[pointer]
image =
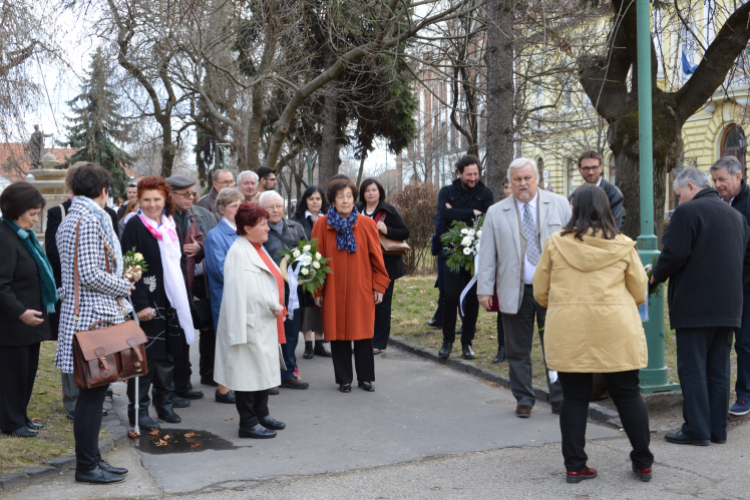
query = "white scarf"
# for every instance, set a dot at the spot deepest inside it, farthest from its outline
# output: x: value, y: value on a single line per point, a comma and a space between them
x: 174, y: 281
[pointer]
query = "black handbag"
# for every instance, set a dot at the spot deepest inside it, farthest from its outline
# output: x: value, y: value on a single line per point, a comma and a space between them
x: 201, y: 311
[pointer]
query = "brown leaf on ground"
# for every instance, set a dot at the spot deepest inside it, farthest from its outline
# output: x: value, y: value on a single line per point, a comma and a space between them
x: 133, y: 435
x: 167, y: 437
x: 191, y: 435
x: 228, y: 419
x: 153, y: 432
x: 195, y: 445
x: 36, y: 419
x: 161, y: 442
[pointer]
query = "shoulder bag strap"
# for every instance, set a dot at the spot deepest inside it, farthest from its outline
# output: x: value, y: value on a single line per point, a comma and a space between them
x: 379, y: 216
x: 62, y: 211
x: 76, y: 307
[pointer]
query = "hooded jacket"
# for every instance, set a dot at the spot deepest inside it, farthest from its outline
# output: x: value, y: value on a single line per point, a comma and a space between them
x: 591, y: 289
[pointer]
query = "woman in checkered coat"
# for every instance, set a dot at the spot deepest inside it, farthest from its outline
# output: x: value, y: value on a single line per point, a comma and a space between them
x: 101, y: 298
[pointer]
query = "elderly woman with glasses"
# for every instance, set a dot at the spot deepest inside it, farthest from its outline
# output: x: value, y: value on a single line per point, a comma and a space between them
x: 355, y: 286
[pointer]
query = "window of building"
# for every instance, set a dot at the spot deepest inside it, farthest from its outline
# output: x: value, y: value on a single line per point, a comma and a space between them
x: 574, y: 178
x: 612, y: 170
x: 734, y: 143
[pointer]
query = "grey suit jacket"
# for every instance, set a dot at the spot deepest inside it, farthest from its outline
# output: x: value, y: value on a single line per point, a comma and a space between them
x: 503, y: 245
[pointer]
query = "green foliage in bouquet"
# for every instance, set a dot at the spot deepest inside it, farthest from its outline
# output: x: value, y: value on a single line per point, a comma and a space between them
x: 310, y: 265
x: 462, y: 244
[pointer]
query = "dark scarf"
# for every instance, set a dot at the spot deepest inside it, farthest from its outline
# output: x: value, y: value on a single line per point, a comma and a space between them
x: 345, y: 238
x: 46, y: 278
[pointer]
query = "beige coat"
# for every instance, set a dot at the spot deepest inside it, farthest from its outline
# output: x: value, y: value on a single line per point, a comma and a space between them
x: 247, y: 341
x: 591, y: 289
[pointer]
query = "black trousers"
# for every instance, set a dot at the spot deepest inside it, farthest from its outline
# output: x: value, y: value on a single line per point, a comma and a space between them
x: 86, y: 427
x: 625, y: 392
x: 364, y: 361
x: 18, y: 365
x: 161, y: 376
x: 454, y: 285
x: 250, y: 406
x: 703, y: 368
x: 182, y: 371
x: 207, y: 340
x: 500, y: 331
x: 383, y: 319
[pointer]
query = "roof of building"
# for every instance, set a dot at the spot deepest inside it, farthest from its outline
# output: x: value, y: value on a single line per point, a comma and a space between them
x: 15, y: 160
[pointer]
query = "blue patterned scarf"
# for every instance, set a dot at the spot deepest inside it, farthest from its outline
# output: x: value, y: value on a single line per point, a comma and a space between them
x: 345, y: 238
x: 46, y: 278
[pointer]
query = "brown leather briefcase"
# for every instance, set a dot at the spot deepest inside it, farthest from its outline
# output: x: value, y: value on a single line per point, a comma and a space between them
x: 109, y: 354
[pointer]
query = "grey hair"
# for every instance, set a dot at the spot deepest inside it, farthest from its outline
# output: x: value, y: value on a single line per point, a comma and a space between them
x: 244, y: 173
x: 730, y: 163
x: 269, y: 194
x: 226, y: 197
x: 699, y: 178
x: 522, y: 162
x: 218, y: 172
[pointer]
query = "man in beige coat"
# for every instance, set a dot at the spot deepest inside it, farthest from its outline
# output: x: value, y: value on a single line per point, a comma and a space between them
x: 513, y: 235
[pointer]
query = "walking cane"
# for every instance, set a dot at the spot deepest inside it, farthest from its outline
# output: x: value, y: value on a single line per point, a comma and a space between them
x: 136, y: 429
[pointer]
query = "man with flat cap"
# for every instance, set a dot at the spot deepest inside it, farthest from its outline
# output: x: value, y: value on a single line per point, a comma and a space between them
x: 193, y: 223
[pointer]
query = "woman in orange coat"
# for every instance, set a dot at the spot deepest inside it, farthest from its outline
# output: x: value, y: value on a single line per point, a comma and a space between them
x: 357, y: 282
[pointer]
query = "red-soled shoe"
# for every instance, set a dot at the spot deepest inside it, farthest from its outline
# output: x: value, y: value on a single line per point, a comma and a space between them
x: 577, y: 477
x: 643, y: 474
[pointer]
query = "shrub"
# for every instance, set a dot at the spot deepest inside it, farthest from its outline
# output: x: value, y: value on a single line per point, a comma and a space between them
x: 417, y: 204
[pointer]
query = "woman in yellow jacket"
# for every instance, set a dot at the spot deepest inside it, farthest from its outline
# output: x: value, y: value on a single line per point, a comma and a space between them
x: 591, y: 280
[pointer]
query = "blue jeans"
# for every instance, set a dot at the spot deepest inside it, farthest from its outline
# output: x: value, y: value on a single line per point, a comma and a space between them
x: 291, y: 331
x: 742, y: 347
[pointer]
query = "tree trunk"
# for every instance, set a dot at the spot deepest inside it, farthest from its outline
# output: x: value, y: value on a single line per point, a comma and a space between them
x: 499, y: 94
x: 168, y: 149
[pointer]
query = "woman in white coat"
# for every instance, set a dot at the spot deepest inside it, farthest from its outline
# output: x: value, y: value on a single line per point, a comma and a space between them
x: 251, y: 324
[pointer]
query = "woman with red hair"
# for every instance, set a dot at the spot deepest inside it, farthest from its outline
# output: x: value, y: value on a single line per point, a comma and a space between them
x: 251, y: 324
x: 160, y: 299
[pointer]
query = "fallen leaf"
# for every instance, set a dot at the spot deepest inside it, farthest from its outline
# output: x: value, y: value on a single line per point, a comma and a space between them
x: 36, y: 419
x: 191, y: 435
x: 161, y: 442
x: 195, y: 445
x: 228, y: 419
x: 153, y: 432
x: 317, y: 416
x: 133, y: 435
x: 167, y: 437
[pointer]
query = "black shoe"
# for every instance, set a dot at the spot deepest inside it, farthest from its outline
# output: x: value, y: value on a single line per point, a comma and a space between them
x: 294, y: 383
x: 445, y: 351
x: 366, y: 387
x: 308, y: 354
x: 106, y: 467
x: 500, y: 356
x: 460, y: 330
x: 168, y: 416
x: 257, y: 432
x: 320, y: 350
x: 71, y: 415
x: 345, y: 388
x: 208, y: 380
x: 718, y: 441
x: 180, y: 402
x: 229, y: 398
x: 33, y: 426
x: 23, y: 432
x: 468, y: 352
x: 435, y: 323
x: 680, y: 438
x: 273, y: 391
x: 191, y: 395
x: 270, y: 423
x: 98, y: 476
x: 143, y: 420
x: 104, y: 412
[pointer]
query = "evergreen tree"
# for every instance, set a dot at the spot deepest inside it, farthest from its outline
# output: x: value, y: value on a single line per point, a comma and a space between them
x: 96, y: 124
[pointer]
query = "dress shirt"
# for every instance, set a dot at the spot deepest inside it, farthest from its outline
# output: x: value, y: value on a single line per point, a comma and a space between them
x: 528, y: 267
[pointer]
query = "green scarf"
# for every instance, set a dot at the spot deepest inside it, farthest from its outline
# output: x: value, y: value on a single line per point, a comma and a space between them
x: 47, y: 279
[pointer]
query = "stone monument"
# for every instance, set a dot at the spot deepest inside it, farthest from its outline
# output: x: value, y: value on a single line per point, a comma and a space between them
x: 36, y: 147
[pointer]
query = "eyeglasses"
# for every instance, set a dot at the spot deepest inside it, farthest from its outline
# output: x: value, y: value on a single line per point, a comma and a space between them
x: 270, y: 179
x: 590, y: 169
x: 274, y: 207
x: 191, y: 194
x: 225, y: 183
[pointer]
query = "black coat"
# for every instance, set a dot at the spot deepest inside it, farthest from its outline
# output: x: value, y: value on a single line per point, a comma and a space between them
x: 54, y: 219
x: 306, y: 222
x: 163, y: 338
x: 463, y: 202
x: 706, y: 261
x: 20, y: 289
x: 741, y: 203
x: 397, y: 230
x: 616, y: 202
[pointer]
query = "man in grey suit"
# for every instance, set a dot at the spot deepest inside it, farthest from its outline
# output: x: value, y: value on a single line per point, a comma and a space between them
x: 513, y: 235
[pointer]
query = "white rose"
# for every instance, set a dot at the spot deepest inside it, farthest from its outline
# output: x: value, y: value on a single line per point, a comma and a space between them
x: 466, y: 241
x: 479, y: 233
x: 464, y: 231
x: 477, y: 247
x: 472, y: 232
x: 138, y: 256
x: 305, y: 271
x: 316, y: 265
x: 318, y: 256
x: 467, y: 251
x: 306, y: 248
x: 296, y: 254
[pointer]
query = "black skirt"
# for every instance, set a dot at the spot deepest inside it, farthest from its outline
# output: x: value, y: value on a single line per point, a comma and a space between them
x: 310, y: 318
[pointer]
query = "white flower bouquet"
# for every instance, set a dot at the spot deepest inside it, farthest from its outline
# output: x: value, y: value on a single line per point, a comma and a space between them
x: 462, y: 244
x: 307, y: 264
x: 134, y: 265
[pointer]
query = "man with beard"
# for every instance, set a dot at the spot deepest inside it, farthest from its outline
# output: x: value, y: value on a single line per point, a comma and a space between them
x: 466, y: 199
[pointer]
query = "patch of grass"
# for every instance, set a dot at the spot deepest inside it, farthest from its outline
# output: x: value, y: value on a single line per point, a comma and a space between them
x: 56, y: 439
x: 414, y: 303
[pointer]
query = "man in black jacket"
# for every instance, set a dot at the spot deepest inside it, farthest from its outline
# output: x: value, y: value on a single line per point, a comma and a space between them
x: 465, y: 199
x: 706, y: 261
x: 727, y: 177
x: 590, y: 168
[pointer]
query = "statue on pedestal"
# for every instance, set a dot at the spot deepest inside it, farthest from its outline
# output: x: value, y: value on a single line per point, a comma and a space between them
x: 36, y: 147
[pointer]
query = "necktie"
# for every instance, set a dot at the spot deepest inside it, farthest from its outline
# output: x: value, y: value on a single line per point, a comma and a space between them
x: 533, y: 252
